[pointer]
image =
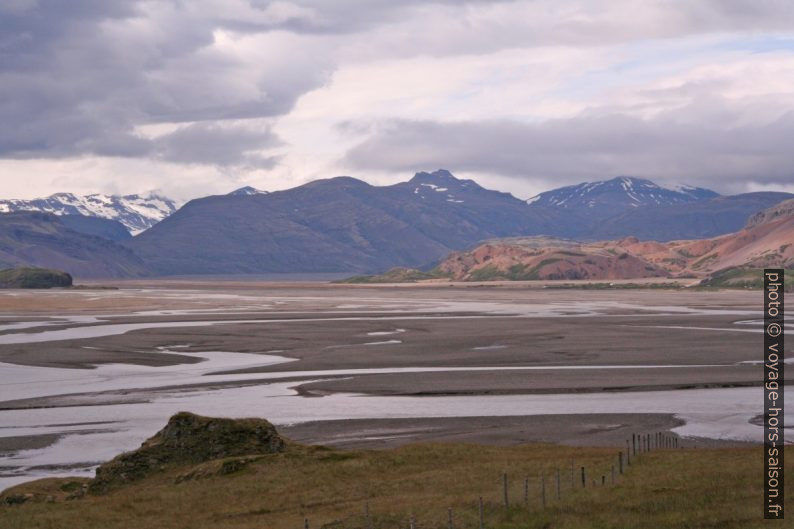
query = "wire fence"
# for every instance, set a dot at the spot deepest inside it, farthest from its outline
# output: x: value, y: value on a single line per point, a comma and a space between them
x: 518, y: 496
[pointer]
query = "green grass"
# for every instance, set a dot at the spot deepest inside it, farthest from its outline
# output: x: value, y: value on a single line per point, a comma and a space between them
x: 516, y: 272
x: 486, y: 273
x: 700, y: 263
x: 685, y: 488
x: 395, y: 275
x: 34, y: 278
x: 746, y: 278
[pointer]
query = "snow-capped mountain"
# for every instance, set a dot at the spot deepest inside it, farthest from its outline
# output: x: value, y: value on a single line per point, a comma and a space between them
x: 618, y: 194
x: 136, y: 212
x: 248, y: 190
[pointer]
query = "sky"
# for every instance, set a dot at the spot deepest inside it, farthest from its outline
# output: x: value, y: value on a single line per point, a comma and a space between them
x: 190, y: 98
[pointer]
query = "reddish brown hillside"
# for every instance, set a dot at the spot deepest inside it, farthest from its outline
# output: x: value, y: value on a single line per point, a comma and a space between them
x: 767, y: 241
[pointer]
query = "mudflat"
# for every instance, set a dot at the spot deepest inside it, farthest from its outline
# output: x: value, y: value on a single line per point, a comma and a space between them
x: 141, y: 349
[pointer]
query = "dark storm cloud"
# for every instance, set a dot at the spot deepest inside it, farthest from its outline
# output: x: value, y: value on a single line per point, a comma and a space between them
x: 81, y: 77
x: 212, y: 144
x: 714, y: 153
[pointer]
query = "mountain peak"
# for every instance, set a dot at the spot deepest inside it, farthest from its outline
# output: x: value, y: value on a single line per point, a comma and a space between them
x: 341, y: 182
x: 440, y: 175
x: 247, y: 191
x: 619, y: 193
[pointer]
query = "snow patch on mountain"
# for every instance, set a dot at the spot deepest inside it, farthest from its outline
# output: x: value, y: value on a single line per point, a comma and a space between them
x: 621, y: 192
x: 136, y: 212
x: 248, y: 190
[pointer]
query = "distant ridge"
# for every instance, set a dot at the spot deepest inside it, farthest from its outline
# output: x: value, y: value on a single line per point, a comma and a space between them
x: 609, y: 197
x: 43, y: 240
x: 136, y: 212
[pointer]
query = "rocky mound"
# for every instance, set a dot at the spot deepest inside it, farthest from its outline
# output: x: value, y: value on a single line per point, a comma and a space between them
x: 34, y: 278
x: 189, y: 439
x: 525, y: 259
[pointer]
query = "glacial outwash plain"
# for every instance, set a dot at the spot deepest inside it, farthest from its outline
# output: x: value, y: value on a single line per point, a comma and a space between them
x: 421, y: 395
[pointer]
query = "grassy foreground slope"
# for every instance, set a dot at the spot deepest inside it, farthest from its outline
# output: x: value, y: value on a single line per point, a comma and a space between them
x: 684, y: 488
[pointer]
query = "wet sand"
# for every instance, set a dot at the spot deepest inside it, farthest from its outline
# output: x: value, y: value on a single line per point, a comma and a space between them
x: 576, y: 430
x: 471, y: 340
x: 540, y: 382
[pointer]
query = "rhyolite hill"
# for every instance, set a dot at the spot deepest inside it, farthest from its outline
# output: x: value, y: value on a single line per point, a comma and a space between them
x: 767, y: 241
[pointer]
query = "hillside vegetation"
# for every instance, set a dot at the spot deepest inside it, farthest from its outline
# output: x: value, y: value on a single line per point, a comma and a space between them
x: 34, y: 278
x: 279, y: 489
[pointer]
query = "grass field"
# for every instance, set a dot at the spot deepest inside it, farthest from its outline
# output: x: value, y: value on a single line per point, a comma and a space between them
x: 685, y: 488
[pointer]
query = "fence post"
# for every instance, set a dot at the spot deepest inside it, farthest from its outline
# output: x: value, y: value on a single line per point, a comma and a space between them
x: 613, y: 474
x: 305, y: 523
x: 584, y: 482
x: 504, y: 486
x: 628, y: 453
x: 620, y: 461
x: 543, y: 490
x: 411, y: 522
x: 573, y: 484
x: 366, y: 515
x: 558, y: 484
x: 450, y: 525
x: 526, y: 491
x: 482, y: 521
x: 634, y: 443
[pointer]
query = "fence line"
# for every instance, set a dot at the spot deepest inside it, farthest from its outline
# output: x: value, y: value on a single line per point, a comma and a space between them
x: 639, y: 443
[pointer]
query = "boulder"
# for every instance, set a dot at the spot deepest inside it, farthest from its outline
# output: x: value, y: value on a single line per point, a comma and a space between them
x: 189, y: 439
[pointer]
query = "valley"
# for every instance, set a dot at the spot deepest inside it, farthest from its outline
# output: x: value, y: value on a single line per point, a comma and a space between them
x: 374, y: 367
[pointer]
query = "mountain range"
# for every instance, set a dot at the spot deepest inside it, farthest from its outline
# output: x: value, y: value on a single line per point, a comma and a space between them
x: 135, y: 212
x: 349, y: 226
x: 335, y: 225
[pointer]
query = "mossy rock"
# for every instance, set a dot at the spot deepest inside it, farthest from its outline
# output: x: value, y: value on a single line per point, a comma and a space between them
x: 189, y: 439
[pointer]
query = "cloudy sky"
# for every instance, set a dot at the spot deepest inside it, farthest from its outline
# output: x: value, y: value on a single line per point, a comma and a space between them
x: 193, y: 97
